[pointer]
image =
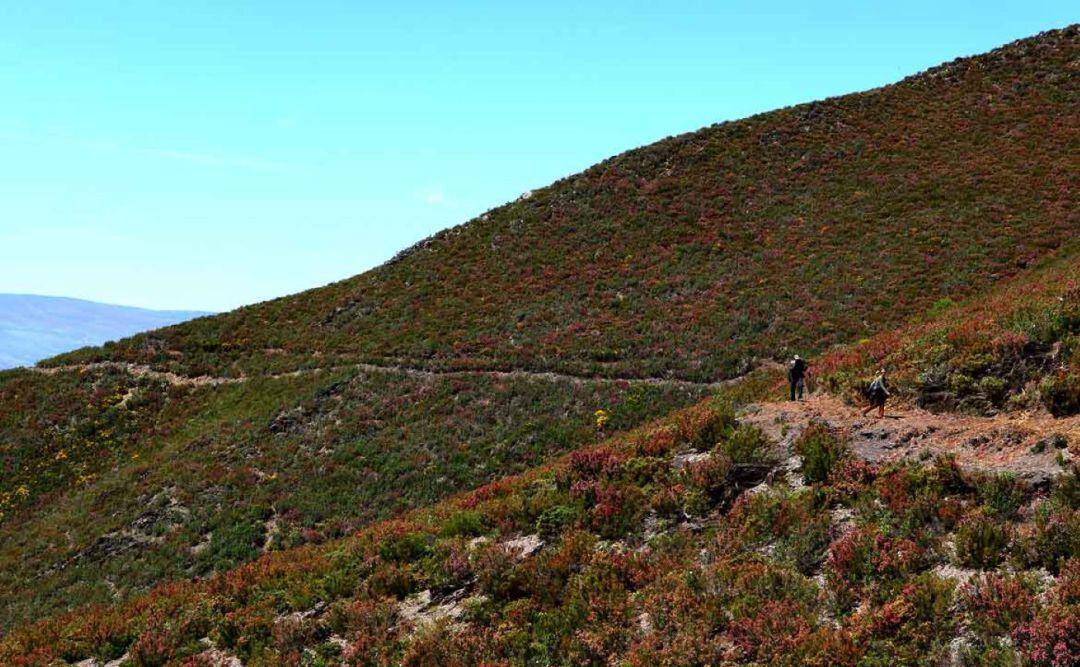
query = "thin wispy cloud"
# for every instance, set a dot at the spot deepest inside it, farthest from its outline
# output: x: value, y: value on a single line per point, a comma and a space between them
x: 226, y: 160
x: 434, y: 196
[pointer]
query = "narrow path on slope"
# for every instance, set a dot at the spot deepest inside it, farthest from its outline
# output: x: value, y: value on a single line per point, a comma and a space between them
x: 142, y: 370
x: 1007, y: 442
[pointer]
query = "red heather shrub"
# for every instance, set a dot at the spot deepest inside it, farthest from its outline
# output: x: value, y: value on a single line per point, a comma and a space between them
x: 1052, y: 638
x: 913, y: 625
x: 690, y: 643
x: 494, y: 567
x: 596, y: 462
x: 1055, y: 538
x: 152, y: 649
x: 431, y: 647
x: 369, y: 622
x: 1009, y: 342
x: 771, y: 632
x: 851, y: 476
x: 702, y: 428
x: 244, y: 628
x: 390, y: 579
x: 825, y: 647
x: 1067, y: 590
x: 585, y: 491
x: 656, y: 443
x: 666, y: 499
x: 617, y: 511
x: 488, y: 491
x: 996, y: 604
x: 293, y: 633
x: 863, y: 558
x: 893, y: 490
x: 709, y: 474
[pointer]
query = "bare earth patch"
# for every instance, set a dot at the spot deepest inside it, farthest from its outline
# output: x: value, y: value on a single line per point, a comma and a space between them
x: 1003, y: 443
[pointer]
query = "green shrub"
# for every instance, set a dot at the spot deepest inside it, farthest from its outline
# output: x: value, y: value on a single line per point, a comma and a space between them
x: 554, y: 519
x: 468, y: 523
x: 1000, y: 494
x: 1066, y: 491
x: 237, y: 538
x: 981, y: 542
x: 994, y: 653
x: 994, y: 388
x: 406, y: 548
x: 820, y: 450
x: 795, y: 522
x: 1060, y: 394
x: 915, y: 626
x: 703, y: 429
x: 1056, y: 537
x: 696, y: 502
x: 746, y: 444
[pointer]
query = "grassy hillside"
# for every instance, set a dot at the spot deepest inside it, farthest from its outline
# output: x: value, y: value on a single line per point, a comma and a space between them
x: 1013, y: 348
x: 788, y: 231
x: 113, y: 483
x: 691, y: 258
x: 647, y: 549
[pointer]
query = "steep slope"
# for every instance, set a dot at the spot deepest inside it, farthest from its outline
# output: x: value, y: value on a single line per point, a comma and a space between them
x: 33, y: 327
x: 1016, y: 347
x: 695, y: 540
x: 736, y: 531
x: 304, y: 418
x: 115, y: 481
x: 791, y: 230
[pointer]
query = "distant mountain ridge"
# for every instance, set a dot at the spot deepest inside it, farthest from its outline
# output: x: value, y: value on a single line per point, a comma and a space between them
x: 34, y: 327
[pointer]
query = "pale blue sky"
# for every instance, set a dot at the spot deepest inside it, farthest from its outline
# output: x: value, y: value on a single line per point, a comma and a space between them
x: 209, y: 154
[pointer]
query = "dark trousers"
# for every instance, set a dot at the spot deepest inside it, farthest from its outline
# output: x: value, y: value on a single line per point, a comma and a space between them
x: 797, y: 385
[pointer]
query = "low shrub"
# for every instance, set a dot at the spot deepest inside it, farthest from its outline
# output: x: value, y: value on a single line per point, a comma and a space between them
x: 746, y: 444
x: 618, y: 510
x: 1060, y: 393
x: 865, y: 561
x: 796, y: 526
x: 1000, y: 494
x: 554, y: 519
x: 468, y: 523
x: 1052, y: 539
x: 821, y: 450
x: 913, y: 627
x: 406, y: 548
x: 702, y: 429
x: 709, y: 475
x: 981, y: 541
x: 1052, y: 638
x: 994, y: 605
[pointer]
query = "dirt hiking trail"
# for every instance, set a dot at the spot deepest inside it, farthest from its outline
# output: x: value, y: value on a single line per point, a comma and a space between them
x: 144, y: 371
x: 1025, y: 444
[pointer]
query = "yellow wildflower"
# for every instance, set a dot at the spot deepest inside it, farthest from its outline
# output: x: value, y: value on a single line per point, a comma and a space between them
x: 601, y: 418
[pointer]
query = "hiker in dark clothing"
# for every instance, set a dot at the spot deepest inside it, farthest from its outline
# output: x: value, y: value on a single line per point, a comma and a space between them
x: 876, y: 394
x: 796, y: 376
